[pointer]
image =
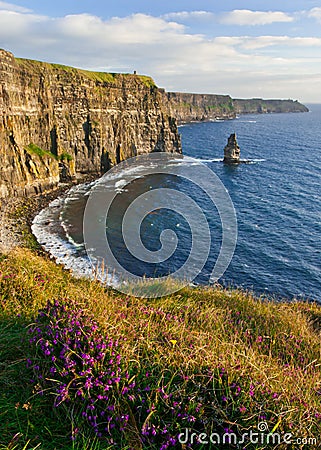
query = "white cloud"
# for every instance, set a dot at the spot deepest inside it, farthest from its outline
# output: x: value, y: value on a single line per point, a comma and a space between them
x: 248, y: 17
x: 315, y: 13
x: 131, y: 30
x: 260, y: 42
x: 187, y: 15
x: 177, y: 59
x: 11, y: 7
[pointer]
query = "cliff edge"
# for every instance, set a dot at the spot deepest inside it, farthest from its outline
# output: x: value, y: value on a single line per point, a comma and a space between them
x: 204, y: 107
x: 261, y: 106
x: 59, y: 122
x: 187, y: 107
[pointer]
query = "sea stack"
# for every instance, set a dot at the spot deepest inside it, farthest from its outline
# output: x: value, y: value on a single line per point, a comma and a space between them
x: 232, y: 151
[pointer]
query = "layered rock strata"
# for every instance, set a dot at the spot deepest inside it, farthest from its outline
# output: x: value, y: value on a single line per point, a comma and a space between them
x: 211, y: 107
x: 57, y: 121
x: 261, y: 106
x: 199, y: 107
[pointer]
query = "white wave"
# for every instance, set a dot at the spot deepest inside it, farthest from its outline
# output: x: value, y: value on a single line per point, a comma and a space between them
x: 194, y: 161
x: 64, y: 225
x: 116, y: 174
x: 256, y: 160
x: 119, y: 185
x: 48, y: 231
x: 210, y: 160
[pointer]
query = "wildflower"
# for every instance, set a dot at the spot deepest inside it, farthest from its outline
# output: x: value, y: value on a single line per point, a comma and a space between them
x: 26, y: 406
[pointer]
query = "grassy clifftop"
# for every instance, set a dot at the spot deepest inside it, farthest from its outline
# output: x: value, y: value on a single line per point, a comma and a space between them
x: 98, y: 370
x: 100, y: 77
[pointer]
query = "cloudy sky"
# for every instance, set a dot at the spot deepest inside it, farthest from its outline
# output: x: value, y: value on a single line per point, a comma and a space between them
x: 244, y: 48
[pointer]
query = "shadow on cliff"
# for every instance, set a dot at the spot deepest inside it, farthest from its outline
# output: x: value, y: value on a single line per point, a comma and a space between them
x: 160, y: 143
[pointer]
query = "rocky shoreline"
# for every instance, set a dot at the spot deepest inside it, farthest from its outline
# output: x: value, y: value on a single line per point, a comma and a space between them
x: 17, y: 214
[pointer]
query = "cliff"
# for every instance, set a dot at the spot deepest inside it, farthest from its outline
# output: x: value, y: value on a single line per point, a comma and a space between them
x: 201, y: 107
x: 59, y: 122
x: 261, y: 106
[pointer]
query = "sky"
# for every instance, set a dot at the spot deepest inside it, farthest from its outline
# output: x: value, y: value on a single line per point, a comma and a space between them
x: 243, y: 48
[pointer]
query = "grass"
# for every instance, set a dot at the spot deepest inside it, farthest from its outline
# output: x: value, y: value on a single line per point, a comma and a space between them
x: 148, y: 81
x: 99, y: 77
x: 64, y: 156
x: 35, y: 150
x: 206, y: 359
x: 37, y: 65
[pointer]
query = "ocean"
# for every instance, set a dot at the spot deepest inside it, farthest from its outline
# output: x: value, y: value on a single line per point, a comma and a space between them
x: 276, y: 199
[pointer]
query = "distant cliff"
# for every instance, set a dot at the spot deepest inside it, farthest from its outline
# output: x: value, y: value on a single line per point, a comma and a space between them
x: 201, y: 107
x: 198, y: 107
x: 261, y: 106
x: 57, y: 122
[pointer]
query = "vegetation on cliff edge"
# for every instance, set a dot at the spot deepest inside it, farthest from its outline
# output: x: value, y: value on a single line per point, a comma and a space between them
x: 95, y: 369
x: 100, y: 77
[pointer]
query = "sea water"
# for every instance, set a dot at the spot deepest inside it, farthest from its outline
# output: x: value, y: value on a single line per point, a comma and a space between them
x: 276, y: 198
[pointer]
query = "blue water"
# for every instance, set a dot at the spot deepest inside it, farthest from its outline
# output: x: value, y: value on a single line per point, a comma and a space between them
x: 276, y: 198
x: 277, y: 201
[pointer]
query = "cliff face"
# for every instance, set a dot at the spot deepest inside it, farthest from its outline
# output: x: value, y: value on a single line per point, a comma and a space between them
x: 58, y: 121
x: 260, y: 106
x: 200, y: 107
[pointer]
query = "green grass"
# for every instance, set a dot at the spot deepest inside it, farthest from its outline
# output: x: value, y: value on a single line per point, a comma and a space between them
x: 99, y: 77
x: 238, y: 357
x: 148, y: 81
x: 65, y: 157
x: 35, y: 150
